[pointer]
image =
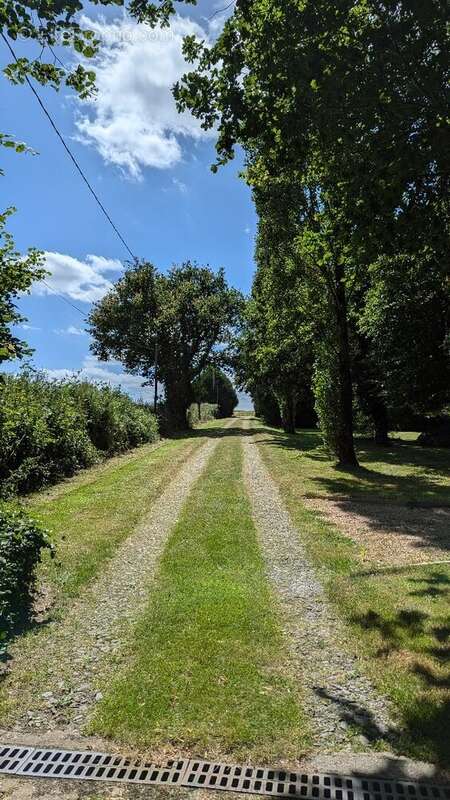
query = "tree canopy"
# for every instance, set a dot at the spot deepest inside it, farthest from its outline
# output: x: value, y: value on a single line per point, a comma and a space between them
x: 166, y: 326
x: 341, y: 110
x: 215, y: 387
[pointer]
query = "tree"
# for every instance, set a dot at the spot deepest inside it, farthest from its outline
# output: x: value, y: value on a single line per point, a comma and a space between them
x: 348, y: 99
x: 17, y: 273
x: 274, y: 350
x: 407, y: 318
x: 50, y: 24
x: 214, y: 386
x: 178, y: 318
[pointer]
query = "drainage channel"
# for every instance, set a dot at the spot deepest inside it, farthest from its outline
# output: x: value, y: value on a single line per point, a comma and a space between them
x: 89, y: 765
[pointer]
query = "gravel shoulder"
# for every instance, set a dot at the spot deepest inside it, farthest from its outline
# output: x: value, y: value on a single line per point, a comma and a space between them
x: 347, y: 713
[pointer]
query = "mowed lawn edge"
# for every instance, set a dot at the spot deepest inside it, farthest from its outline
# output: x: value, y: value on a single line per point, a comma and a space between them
x: 208, y: 672
x: 398, y: 620
x: 89, y: 520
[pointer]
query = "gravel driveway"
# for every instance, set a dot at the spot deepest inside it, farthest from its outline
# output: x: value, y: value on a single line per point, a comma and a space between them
x: 345, y: 709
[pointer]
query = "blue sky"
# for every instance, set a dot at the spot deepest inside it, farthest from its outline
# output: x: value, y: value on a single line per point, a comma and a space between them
x: 150, y: 167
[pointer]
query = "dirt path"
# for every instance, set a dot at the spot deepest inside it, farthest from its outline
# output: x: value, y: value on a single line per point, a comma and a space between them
x: 390, y: 534
x: 53, y: 685
x: 345, y: 710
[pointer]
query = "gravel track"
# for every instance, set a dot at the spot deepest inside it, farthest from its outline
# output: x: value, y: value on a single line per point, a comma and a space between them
x: 345, y: 710
x: 59, y: 673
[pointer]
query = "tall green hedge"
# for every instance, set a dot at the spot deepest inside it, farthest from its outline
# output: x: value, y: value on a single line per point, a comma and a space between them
x: 50, y: 429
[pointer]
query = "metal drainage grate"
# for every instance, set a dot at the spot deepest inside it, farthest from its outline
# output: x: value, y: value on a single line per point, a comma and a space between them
x: 282, y: 783
x: 79, y: 765
x: 12, y: 757
x: 88, y: 765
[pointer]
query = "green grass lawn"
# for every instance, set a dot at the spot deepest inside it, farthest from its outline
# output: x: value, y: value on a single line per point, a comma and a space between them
x: 208, y: 672
x: 91, y: 514
x: 400, y: 618
x: 403, y: 472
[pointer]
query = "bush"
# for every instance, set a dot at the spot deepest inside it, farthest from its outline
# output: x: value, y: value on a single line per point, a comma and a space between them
x: 207, y: 411
x: 50, y: 429
x: 21, y: 543
x: 114, y: 422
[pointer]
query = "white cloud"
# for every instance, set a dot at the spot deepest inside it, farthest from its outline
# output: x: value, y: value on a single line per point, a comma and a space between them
x: 245, y: 402
x: 27, y: 327
x: 133, y: 121
x: 219, y: 16
x: 180, y: 185
x: 109, y: 372
x: 70, y: 331
x: 81, y: 280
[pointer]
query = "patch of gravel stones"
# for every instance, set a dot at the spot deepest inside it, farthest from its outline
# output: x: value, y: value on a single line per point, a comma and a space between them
x: 60, y: 687
x: 344, y: 708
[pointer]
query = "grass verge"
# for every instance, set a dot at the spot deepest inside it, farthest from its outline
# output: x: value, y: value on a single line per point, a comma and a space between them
x: 207, y: 671
x: 404, y: 472
x: 400, y: 617
x: 89, y: 518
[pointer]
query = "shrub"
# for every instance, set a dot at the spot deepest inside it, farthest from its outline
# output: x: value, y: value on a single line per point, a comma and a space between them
x: 43, y: 434
x: 202, y: 412
x: 114, y: 422
x: 21, y: 544
x: 50, y: 429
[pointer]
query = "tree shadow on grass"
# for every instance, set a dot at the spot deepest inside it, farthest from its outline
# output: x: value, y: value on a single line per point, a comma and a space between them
x: 365, y: 482
x: 436, y: 585
x: 25, y: 620
x: 432, y: 459
x: 425, y: 714
x: 212, y: 433
x: 392, y: 630
x: 414, y: 491
x: 422, y: 731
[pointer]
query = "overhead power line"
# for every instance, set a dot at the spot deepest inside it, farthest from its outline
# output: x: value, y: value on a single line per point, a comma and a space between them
x: 61, y: 296
x: 221, y: 10
x: 69, y: 152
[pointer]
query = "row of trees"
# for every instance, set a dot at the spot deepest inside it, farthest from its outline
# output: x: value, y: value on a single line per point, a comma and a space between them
x: 340, y: 108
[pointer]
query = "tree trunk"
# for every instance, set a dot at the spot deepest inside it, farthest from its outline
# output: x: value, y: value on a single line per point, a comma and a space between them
x: 288, y: 404
x: 381, y: 423
x: 178, y: 400
x: 345, y: 448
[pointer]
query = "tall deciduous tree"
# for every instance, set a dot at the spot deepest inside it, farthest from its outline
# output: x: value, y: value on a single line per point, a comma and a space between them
x: 349, y: 97
x: 274, y: 348
x: 171, y: 322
